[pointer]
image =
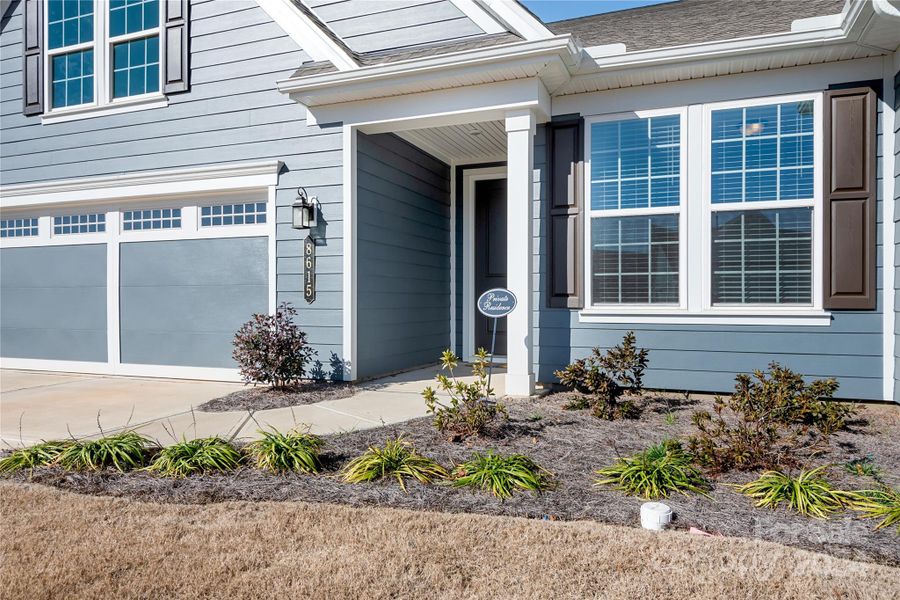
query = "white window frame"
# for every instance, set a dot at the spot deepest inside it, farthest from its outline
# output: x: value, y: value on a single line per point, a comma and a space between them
x: 815, y: 203
x: 695, y: 228
x: 102, y: 44
x: 681, y: 210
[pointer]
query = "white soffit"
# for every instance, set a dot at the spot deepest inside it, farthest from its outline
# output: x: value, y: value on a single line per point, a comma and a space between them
x: 465, y: 143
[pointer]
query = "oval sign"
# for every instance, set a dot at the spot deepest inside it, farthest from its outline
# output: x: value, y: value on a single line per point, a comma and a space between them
x: 496, y: 303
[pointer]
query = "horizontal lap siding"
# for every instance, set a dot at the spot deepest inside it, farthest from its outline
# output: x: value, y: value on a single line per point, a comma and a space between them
x: 403, y: 269
x: 53, y: 303
x: 707, y: 357
x: 372, y: 25
x: 232, y: 113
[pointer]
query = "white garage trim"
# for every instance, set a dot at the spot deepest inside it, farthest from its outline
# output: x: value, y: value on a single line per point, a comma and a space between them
x: 107, y: 368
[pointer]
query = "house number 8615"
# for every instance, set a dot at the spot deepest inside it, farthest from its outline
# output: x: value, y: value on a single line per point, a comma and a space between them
x: 309, y: 270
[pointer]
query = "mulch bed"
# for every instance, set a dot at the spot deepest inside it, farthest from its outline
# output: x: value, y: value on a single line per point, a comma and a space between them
x: 571, y: 444
x: 263, y: 398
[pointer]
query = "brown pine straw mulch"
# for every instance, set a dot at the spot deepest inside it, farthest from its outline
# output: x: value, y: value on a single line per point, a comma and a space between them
x: 255, y: 398
x: 571, y: 444
x: 58, y: 545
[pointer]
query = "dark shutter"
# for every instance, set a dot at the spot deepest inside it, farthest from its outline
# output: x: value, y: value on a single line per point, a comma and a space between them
x: 33, y: 67
x: 176, y: 23
x: 850, y: 130
x: 565, y: 224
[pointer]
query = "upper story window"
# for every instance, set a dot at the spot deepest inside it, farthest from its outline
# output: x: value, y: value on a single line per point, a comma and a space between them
x: 100, y: 52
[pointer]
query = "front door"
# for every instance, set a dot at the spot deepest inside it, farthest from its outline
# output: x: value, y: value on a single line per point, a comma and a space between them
x: 490, y: 256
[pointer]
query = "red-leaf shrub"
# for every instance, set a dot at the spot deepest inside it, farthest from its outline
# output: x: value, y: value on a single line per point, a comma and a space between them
x: 271, y: 349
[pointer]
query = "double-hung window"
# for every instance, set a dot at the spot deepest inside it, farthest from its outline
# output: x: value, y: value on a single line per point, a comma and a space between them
x: 635, y: 209
x: 102, y: 52
x: 712, y: 209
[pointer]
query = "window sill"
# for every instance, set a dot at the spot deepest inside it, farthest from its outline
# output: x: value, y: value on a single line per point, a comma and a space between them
x: 115, y: 108
x: 814, y: 318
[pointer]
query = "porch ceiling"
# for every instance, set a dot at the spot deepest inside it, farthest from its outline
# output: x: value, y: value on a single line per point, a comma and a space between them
x: 467, y: 143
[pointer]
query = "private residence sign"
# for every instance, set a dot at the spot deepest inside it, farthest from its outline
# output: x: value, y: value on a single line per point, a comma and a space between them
x: 496, y: 303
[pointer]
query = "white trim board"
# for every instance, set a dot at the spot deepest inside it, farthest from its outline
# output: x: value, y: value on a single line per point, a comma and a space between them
x: 470, y: 176
x: 132, y: 370
x: 888, y: 194
x: 307, y: 34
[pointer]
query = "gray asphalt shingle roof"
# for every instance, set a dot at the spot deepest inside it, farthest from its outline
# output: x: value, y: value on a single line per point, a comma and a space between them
x: 692, y: 21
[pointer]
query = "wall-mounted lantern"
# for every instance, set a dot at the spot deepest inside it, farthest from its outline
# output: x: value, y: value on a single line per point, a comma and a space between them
x: 304, y: 210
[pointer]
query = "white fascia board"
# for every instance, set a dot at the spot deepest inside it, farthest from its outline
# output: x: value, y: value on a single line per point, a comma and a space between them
x: 437, y: 108
x: 215, y: 178
x: 520, y: 19
x: 305, y: 89
x: 479, y: 16
x: 307, y: 34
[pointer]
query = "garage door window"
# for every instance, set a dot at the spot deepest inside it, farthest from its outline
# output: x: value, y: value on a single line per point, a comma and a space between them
x: 69, y: 224
x: 157, y: 218
x: 250, y: 213
x: 18, y: 227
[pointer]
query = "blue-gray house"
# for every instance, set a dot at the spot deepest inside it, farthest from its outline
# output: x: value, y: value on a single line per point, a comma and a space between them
x: 720, y: 177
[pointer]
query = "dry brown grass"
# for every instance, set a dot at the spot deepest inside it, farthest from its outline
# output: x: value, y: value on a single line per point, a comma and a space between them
x: 57, y: 544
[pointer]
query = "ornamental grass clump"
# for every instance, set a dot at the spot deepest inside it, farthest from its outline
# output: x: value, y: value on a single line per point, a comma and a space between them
x: 397, y: 459
x: 202, y: 455
x: 881, y: 504
x: 501, y: 475
x: 655, y: 473
x: 808, y: 493
x: 31, y: 457
x: 121, y: 451
x: 470, y: 411
x: 282, y: 452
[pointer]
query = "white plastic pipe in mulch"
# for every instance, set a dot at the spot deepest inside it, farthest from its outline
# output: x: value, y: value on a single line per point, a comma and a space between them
x: 655, y: 515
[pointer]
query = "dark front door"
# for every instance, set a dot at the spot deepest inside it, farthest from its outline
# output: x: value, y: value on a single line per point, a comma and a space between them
x: 490, y: 256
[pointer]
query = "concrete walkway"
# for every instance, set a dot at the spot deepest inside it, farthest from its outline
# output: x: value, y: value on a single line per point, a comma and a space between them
x: 37, y: 406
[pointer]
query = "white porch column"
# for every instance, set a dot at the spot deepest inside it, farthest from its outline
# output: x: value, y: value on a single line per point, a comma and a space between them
x: 520, y: 125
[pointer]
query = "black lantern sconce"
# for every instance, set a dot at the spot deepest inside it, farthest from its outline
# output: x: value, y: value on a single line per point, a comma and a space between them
x: 304, y: 211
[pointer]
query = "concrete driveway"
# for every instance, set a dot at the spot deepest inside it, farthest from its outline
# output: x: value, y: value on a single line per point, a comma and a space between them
x: 37, y: 406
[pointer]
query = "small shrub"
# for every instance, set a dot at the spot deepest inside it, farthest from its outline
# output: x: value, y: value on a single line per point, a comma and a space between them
x: 862, y: 467
x: 808, y: 493
x: 271, y: 349
x: 655, y: 473
x: 122, y: 451
x: 202, y: 455
x: 606, y: 377
x: 881, y: 504
x: 397, y: 459
x: 281, y: 452
x: 31, y: 457
x: 770, y: 422
x: 471, y: 410
x: 501, y: 475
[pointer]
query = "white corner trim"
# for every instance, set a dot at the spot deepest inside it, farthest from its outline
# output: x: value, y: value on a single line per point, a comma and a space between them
x: 131, y: 370
x: 888, y: 219
x: 349, y: 302
x: 820, y: 22
x: 519, y: 19
x: 104, y: 110
x: 786, y: 319
x: 479, y: 16
x: 307, y: 34
x: 183, y: 181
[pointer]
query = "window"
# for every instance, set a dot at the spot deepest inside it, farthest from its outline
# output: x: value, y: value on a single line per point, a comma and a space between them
x: 762, y: 159
x: 233, y: 214
x: 635, y: 191
x: 18, y: 227
x: 69, y: 224
x: 157, y: 218
x: 100, y: 52
x: 735, y: 230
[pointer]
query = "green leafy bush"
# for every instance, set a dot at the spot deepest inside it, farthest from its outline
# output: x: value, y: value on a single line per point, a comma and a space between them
x: 881, y: 504
x: 808, y: 493
x: 122, y: 451
x: 202, y: 455
x: 471, y: 410
x: 772, y: 421
x: 271, y: 349
x: 655, y: 473
x: 30, y: 457
x: 606, y: 377
x: 281, y: 452
x: 397, y: 459
x: 501, y: 475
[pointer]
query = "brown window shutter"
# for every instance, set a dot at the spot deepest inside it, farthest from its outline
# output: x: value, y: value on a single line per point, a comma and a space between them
x: 33, y: 66
x: 850, y: 155
x: 565, y: 224
x: 176, y: 24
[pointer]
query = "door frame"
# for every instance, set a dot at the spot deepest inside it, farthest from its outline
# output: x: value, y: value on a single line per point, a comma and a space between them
x: 470, y: 176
